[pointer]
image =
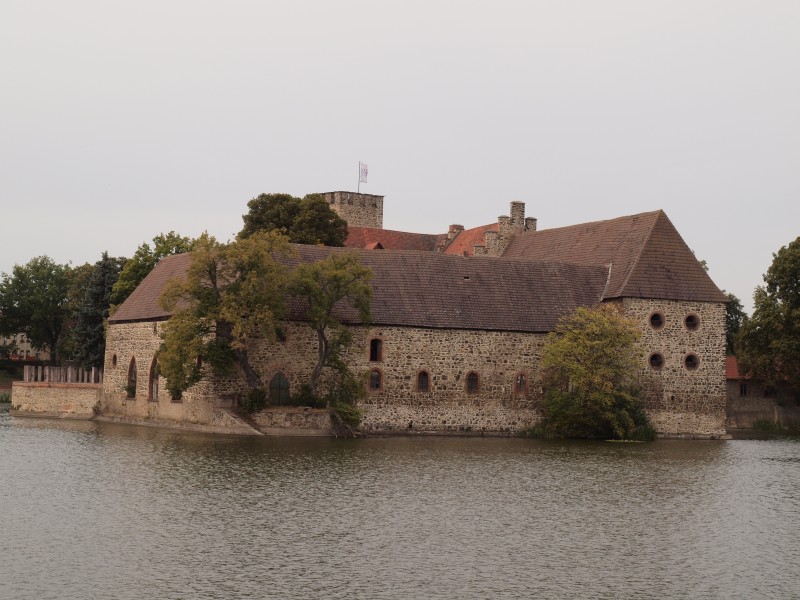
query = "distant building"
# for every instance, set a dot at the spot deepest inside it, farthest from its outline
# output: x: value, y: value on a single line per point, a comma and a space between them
x: 749, y: 400
x: 21, y: 348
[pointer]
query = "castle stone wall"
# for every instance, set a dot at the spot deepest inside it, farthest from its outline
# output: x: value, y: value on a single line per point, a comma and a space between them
x: 359, y: 210
x: 140, y: 342
x: 681, y: 400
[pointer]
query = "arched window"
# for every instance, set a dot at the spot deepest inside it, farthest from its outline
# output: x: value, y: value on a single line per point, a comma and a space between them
x: 152, y: 393
x: 473, y: 383
x: 279, y: 390
x: 375, y: 350
x: 423, y: 381
x: 521, y: 385
x: 375, y: 380
x: 130, y: 386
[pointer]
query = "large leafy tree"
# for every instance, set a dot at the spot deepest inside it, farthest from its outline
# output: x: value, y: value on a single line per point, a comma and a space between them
x: 144, y: 260
x: 68, y: 342
x: 589, y: 371
x: 233, y: 295
x: 307, y: 220
x: 337, y: 281
x: 734, y: 319
x: 768, y: 344
x: 89, y: 333
x: 33, y: 301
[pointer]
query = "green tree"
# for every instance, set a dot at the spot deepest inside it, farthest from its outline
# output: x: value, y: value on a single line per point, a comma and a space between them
x: 734, y: 318
x: 328, y: 287
x: 589, y: 368
x: 233, y: 295
x: 309, y: 220
x: 68, y: 343
x: 768, y: 344
x: 89, y: 333
x: 33, y: 301
x: 144, y: 260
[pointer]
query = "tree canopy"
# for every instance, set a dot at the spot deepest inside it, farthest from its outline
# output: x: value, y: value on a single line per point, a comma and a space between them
x: 307, y: 220
x: 144, y: 260
x: 768, y: 344
x: 339, y: 278
x: 89, y: 332
x: 33, y: 301
x: 734, y: 319
x: 233, y: 294
x: 589, y: 368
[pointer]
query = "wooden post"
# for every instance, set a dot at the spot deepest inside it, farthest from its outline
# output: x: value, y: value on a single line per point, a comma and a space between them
x: 94, y: 374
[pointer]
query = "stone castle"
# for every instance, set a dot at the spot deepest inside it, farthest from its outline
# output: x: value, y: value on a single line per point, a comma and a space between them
x: 459, y: 320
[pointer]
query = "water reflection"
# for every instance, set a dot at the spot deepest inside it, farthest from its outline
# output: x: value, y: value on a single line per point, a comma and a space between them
x: 105, y: 510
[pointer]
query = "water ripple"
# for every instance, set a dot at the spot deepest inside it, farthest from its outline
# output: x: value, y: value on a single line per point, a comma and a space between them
x: 98, y: 510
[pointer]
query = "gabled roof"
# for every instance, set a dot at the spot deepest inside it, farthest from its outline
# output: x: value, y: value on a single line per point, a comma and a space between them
x: 365, y: 237
x: 142, y: 304
x: 428, y: 289
x: 646, y: 254
x: 464, y: 243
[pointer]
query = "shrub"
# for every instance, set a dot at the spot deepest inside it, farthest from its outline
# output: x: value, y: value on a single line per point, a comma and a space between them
x: 254, y: 400
x: 305, y: 397
x: 5, y: 397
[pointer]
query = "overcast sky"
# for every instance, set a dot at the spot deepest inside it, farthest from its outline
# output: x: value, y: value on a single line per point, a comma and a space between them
x: 121, y: 120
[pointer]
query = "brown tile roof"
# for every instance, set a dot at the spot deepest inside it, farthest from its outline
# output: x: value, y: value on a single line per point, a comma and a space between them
x: 142, y: 304
x: 364, y: 237
x: 427, y: 289
x: 464, y: 243
x: 647, y: 255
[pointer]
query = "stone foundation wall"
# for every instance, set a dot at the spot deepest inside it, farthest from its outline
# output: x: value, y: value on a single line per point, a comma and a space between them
x: 744, y: 412
x: 70, y: 400
x: 294, y: 420
x: 682, y: 400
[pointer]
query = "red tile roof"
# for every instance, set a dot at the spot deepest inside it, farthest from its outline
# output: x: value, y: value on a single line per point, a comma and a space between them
x: 732, y: 369
x: 364, y: 237
x: 647, y: 256
x: 464, y: 243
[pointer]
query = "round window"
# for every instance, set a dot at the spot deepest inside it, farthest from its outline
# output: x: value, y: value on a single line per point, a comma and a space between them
x: 692, y: 322
x: 656, y: 361
x: 656, y: 320
x: 691, y: 362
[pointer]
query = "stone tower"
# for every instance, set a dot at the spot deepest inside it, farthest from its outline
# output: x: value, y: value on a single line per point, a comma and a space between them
x: 507, y: 227
x: 359, y: 210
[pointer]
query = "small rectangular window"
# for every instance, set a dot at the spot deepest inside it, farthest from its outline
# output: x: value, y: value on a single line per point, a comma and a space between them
x: 743, y: 389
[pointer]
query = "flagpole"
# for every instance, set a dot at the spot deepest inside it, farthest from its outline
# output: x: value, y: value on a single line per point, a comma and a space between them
x: 359, y: 177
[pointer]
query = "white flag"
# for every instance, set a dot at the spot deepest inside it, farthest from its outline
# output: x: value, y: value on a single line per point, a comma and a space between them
x: 362, y: 172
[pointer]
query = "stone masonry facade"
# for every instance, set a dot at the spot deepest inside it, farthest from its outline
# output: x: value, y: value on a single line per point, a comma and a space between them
x: 359, y: 210
x: 497, y: 358
x: 682, y: 395
x: 505, y: 366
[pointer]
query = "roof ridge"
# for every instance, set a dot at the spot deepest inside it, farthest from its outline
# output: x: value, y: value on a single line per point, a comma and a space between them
x: 658, y: 213
x: 587, y: 223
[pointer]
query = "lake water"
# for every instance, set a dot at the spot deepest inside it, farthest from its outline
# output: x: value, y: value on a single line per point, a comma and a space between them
x: 98, y: 510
